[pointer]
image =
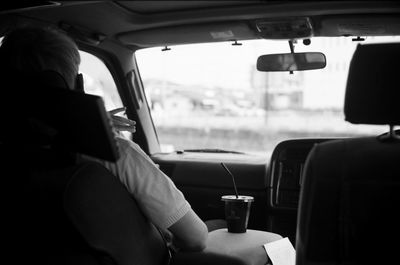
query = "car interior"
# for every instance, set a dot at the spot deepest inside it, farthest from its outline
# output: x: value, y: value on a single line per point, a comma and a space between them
x: 297, y: 98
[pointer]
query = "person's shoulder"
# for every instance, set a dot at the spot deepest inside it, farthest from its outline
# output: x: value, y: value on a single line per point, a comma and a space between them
x: 130, y: 150
x: 129, y: 147
x: 125, y: 143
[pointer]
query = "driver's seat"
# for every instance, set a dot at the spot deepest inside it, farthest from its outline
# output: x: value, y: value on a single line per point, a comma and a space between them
x: 56, y: 210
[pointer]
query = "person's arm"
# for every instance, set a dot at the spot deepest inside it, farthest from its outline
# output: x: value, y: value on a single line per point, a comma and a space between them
x: 189, y: 233
x: 159, y: 199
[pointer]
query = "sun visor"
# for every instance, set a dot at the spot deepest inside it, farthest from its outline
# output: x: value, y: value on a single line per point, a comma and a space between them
x: 188, y: 34
x: 360, y: 25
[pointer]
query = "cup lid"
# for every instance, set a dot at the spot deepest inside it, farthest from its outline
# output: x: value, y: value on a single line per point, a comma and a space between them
x: 240, y: 198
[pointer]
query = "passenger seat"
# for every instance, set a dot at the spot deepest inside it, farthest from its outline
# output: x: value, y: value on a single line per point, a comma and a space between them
x: 350, y: 194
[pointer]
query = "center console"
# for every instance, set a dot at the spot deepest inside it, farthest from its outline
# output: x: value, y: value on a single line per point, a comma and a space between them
x: 284, y: 176
x: 286, y: 168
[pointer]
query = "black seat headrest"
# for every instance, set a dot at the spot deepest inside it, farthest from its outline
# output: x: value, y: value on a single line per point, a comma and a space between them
x: 40, y: 109
x: 373, y: 89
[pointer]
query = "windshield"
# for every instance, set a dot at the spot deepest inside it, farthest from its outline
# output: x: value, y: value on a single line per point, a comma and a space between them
x: 210, y: 96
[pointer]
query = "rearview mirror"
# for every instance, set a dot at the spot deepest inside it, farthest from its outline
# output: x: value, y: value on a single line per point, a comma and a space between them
x: 291, y: 62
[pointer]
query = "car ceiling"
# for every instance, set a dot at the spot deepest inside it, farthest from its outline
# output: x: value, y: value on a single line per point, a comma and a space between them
x: 159, y: 23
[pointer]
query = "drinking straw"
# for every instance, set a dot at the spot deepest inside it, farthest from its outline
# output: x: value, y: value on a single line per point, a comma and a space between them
x: 233, y: 179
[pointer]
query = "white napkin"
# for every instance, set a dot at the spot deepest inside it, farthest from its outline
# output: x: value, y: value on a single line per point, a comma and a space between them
x: 281, y: 252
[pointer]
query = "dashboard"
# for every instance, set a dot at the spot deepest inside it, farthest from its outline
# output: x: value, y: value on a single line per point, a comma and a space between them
x: 274, y: 184
x: 285, y: 171
x: 284, y: 177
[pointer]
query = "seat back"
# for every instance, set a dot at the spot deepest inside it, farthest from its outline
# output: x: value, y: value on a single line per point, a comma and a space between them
x: 78, y: 214
x: 351, y: 188
x: 110, y: 221
x: 40, y: 109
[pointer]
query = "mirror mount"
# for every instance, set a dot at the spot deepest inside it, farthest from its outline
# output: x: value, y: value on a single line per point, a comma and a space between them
x: 291, y: 46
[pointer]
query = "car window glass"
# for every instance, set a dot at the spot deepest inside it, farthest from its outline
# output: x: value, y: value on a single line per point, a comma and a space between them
x: 211, y: 95
x: 99, y: 81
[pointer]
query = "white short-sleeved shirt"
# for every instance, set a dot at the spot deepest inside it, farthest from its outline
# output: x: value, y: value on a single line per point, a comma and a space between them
x: 156, y: 194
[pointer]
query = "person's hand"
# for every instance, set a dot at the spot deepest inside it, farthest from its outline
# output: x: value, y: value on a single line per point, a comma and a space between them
x: 121, y: 123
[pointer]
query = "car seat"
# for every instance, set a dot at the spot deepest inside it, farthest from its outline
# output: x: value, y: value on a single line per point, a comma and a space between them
x: 350, y: 190
x: 58, y: 210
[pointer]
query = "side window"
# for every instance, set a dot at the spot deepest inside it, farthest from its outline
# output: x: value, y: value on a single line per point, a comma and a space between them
x: 99, y: 81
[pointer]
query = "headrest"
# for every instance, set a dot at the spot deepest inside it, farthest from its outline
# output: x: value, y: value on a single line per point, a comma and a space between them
x: 40, y: 110
x: 373, y: 85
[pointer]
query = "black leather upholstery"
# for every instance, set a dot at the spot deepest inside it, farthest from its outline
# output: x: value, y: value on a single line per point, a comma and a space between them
x: 351, y: 188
